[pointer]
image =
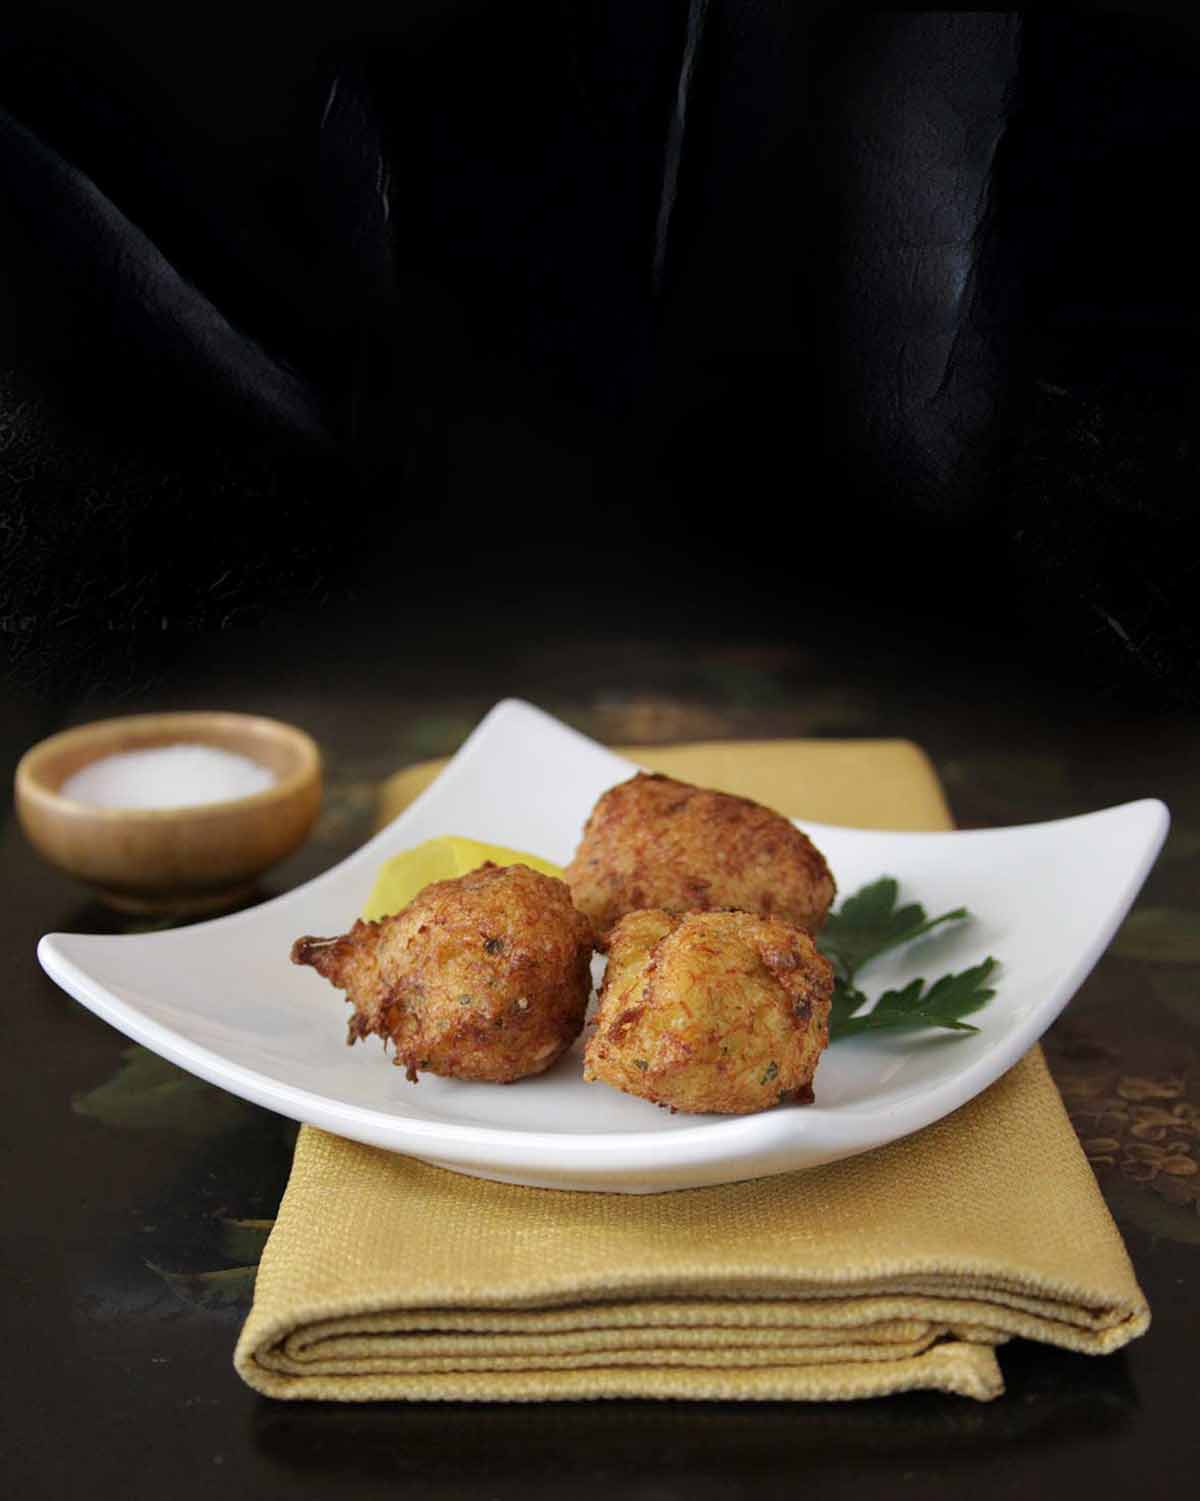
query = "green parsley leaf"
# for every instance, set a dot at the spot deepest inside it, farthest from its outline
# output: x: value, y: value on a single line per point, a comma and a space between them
x: 846, y: 1001
x: 944, y: 1004
x: 869, y: 923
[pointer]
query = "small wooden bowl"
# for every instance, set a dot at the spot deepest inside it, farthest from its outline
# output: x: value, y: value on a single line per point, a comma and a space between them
x: 184, y: 860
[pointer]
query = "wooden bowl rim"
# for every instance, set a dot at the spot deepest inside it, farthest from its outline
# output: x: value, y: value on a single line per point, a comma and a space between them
x: 184, y: 726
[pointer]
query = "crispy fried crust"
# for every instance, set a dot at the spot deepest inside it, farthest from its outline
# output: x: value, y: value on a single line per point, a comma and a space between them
x: 486, y: 976
x: 714, y: 1013
x: 655, y: 842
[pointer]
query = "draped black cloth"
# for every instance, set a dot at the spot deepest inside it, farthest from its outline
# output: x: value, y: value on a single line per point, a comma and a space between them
x: 844, y: 309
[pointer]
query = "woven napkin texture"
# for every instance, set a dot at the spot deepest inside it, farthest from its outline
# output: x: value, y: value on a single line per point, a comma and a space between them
x: 901, y: 1269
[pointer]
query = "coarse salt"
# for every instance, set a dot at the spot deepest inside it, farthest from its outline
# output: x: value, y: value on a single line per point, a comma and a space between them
x: 167, y: 776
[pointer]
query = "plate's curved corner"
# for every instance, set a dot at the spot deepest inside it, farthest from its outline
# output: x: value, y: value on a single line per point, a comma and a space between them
x: 1162, y: 816
x: 47, y: 952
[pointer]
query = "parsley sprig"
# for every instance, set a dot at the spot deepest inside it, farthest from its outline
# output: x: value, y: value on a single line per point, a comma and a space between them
x: 870, y: 923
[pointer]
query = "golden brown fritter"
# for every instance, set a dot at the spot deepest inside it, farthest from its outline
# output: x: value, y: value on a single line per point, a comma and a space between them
x: 656, y: 842
x: 486, y: 976
x: 716, y: 1012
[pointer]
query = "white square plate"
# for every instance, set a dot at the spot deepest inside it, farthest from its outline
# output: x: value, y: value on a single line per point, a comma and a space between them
x: 222, y: 1000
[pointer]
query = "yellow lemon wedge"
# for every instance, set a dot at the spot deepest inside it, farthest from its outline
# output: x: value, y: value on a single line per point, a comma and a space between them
x: 439, y: 859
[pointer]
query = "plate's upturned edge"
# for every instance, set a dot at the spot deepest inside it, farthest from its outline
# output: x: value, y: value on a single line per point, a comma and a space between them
x: 651, y: 1162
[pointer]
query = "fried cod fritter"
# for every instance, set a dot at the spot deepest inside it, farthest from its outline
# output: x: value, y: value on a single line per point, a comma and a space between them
x: 485, y: 977
x: 655, y: 842
x: 721, y: 1013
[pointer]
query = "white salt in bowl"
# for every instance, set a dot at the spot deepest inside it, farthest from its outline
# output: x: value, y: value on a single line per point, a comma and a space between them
x: 196, y: 856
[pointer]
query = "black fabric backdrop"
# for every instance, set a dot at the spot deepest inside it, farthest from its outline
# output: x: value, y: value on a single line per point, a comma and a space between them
x: 785, y: 313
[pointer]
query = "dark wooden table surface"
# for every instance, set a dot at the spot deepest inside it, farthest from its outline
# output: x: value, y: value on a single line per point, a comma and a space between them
x: 132, y: 1192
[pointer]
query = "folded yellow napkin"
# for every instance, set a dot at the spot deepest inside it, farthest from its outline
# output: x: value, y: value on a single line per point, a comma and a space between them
x: 903, y: 1268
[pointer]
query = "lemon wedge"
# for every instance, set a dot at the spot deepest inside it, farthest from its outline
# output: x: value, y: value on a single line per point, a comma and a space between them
x: 439, y: 859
